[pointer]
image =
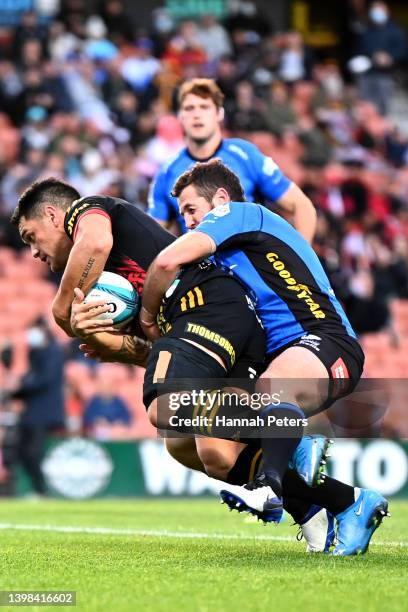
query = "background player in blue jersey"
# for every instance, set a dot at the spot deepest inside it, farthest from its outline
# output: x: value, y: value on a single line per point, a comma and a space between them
x: 309, y: 338
x: 201, y: 114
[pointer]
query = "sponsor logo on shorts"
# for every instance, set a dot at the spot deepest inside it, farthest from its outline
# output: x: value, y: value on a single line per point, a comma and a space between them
x: 339, y: 369
x: 311, y: 341
x: 203, y: 332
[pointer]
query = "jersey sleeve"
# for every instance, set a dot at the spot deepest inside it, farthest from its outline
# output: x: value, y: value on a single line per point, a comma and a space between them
x: 159, y: 205
x: 269, y: 178
x: 80, y: 208
x: 230, y: 221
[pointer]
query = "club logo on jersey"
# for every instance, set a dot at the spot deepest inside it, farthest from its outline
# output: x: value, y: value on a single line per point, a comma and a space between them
x: 221, y: 211
x: 303, y: 291
x: 269, y: 167
x: 236, y: 149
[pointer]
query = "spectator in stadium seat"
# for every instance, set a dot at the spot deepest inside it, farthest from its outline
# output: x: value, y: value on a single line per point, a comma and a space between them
x: 105, y: 408
x: 41, y: 390
x: 278, y: 113
x: 214, y: 38
x: 246, y: 114
x: 296, y: 60
x: 27, y: 31
x: 383, y: 42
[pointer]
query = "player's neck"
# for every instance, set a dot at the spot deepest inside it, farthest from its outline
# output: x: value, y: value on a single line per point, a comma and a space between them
x: 202, y: 151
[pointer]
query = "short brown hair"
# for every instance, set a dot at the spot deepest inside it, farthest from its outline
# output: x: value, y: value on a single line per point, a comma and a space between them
x: 207, y: 177
x: 50, y: 190
x: 204, y: 88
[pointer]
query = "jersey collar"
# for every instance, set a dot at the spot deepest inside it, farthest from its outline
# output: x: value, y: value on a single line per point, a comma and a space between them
x: 206, y: 159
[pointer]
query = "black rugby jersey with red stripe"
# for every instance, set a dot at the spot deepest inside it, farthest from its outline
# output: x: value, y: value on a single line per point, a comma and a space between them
x: 137, y: 238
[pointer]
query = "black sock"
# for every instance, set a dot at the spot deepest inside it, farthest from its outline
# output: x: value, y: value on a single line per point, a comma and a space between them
x: 332, y: 494
x: 297, y: 508
x: 246, y: 465
x: 277, y: 451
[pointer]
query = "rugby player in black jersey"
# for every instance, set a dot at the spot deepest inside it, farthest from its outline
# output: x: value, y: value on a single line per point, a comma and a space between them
x: 82, y: 237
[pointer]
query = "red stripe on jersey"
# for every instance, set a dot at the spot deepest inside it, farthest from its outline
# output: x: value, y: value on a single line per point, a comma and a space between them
x: 93, y: 211
x: 131, y: 270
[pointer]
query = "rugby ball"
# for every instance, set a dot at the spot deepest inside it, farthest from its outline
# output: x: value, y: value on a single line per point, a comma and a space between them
x: 119, y: 294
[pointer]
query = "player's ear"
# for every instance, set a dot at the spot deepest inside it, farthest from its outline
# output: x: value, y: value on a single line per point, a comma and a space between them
x: 221, y: 196
x: 51, y: 212
x: 221, y: 113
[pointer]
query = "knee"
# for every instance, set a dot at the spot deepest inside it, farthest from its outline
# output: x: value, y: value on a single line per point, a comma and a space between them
x: 216, y: 463
x: 175, y: 449
x: 152, y: 413
x: 306, y: 393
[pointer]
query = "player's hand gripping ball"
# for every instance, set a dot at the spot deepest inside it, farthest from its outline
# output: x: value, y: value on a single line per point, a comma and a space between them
x: 119, y: 294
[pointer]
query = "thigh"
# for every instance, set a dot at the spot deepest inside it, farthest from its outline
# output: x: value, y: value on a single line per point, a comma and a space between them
x: 299, y: 377
x: 315, y: 371
x: 223, y: 451
x: 175, y: 365
x: 184, y: 450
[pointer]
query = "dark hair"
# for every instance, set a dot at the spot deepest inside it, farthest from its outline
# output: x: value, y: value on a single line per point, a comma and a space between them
x: 51, y: 191
x: 209, y: 176
x: 204, y: 88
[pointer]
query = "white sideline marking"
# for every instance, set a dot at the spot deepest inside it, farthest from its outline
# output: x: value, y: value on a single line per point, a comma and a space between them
x: 164, y: 534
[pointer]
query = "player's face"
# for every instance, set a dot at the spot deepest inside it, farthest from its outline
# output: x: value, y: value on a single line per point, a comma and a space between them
x: 193, y: 207
x: 47, y: 240
x: 200, y: 118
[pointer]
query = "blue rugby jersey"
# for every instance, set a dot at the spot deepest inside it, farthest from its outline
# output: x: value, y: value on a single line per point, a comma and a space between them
x: 257, y: 173
x: 293, y: 293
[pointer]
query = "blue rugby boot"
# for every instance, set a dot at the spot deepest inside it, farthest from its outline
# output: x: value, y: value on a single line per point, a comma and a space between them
x: 256, y: 497
x: 317, y: 528
x: 356, y: 524
x: 309, y: 459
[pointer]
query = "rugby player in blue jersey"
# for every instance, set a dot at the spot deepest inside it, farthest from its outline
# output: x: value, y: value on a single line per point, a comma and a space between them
x: 201, y: 114
x: 309, y: 339
x: 83, y: 236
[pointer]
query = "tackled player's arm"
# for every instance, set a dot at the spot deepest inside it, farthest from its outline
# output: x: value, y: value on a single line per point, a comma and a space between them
x: 85, y: 264
x: 164, y: 269
x: 98, y: 342
x: 301, y: 210
x: 117, y: 348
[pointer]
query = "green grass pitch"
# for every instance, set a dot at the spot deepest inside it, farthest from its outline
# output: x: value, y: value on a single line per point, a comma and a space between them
x: 176, y: 555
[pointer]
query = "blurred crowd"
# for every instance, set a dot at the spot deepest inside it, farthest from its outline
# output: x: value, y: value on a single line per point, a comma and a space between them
x: 91, y: 98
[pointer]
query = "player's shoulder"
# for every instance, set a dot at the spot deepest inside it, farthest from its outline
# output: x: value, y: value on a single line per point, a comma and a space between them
x: 248, y: 151
x: 235, y: 212
x: 87, y: 202
x: 176, y: 164
x: 82, y: 205
x: 239, y: 147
